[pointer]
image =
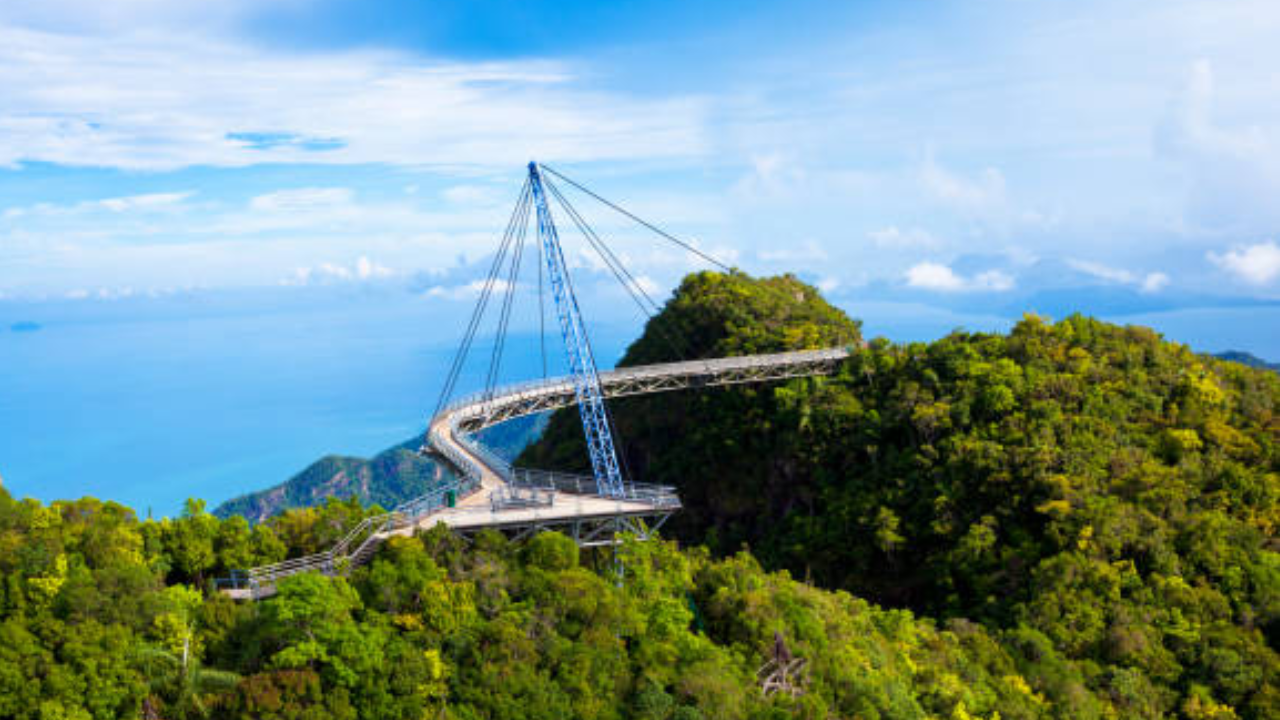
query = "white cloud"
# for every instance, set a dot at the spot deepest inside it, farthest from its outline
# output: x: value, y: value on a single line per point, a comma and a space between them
x: 993, y: 280
x: 934, y: 276
x: 362, y: 270
x: 1154, y: 282
x: 162, y: 100
x: 941, y: 278
x: 330, y: 270
x: 810, y: 251
x: 1255, y: 264
x: 102, y: 293
x: 1232, y: 170
x: 1020, y: 118
x: 648, y: 285
x: 149, y: 201
x: 1103, y: 272
x: 465, y: 291
x: 982, y: 193
x: 912, y: 238
x: 301, y: 199
x: 367, y: 269
x: 470, y: 195
x: 168, y: 201
x: 771, y: 177
x: 84, y: 245
x: 1149, y: 283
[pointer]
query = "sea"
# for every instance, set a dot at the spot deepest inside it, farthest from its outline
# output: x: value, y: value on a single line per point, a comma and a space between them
x: 149, y: 401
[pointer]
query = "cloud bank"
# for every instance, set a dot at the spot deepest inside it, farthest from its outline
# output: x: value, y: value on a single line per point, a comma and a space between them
x: 156, y: 101
x: 1255, y: 264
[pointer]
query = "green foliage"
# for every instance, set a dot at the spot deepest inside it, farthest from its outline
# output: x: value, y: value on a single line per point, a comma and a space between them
x: 721, y: 314
x: 389, y: 478
x: 1074, y: 520
x: 435, y: 628
x: 1115, y: 494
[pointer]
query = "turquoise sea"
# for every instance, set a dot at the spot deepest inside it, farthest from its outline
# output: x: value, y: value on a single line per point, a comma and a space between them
x: 151, y: 401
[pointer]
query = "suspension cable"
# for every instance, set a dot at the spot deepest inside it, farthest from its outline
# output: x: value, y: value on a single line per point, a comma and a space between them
x: 477, y: 314
x: 615, y: 265
x: 642, y: 221
x: 504, y: 317
x: 686, y: 245
x: 625, y: 278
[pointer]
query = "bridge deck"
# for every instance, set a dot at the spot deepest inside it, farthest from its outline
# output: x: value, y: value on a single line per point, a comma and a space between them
x: 565, y: 507
x: 497, y: 490
x: 590, y: 519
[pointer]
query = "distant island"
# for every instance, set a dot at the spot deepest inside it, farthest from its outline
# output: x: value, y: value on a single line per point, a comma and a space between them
x: 25, y: 326
x: 1247, y: 358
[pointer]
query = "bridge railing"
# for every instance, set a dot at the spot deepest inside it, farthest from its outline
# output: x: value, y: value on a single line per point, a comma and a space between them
x: 577, y: 484
x: 500, y: 466
x: 466, y: 467
x: 517, y: 496
x: 467, y: 459
x: 497, y: 403
x: 517, y: 392
x: 357, y: 541
x: 657, y: 495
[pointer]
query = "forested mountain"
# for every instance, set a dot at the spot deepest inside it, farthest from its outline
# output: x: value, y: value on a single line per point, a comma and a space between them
x: 389, y: 478
x: 1104, y: 490
x: 102, y: 616
x: 1245, y: 358
x: 1073, y: 520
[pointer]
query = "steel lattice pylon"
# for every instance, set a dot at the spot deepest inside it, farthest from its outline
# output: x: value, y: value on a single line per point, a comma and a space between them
x: 582, y: 363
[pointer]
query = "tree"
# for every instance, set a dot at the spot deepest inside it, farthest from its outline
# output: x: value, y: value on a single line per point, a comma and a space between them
x: 190, y: 539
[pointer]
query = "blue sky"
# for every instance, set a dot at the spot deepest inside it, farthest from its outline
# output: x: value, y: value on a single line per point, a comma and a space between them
x: 951, y: 155
x: 251, y: 230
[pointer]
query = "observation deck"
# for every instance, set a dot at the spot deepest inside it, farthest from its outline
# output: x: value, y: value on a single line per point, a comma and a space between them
x: 490, y: 493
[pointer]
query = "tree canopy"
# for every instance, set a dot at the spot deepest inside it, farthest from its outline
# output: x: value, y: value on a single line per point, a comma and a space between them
x: 1106, y: 492
x: 1071, y: 520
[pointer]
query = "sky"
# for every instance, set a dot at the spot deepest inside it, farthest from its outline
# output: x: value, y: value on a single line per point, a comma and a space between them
x: 259, y: 225
x: 949, y: 152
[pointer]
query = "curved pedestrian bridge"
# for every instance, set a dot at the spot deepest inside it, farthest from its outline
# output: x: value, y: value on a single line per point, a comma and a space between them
x: 490, y: 493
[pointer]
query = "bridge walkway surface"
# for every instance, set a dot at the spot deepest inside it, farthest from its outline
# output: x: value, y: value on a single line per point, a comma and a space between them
x: 490, y: 493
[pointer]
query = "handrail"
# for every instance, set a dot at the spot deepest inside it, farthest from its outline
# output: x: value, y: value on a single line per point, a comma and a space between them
x: 607, y: 377
x: 472, y: 460
x: 363, y: 532
x: 585, y: 485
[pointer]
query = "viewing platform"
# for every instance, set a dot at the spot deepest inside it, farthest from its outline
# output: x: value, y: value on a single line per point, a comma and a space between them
x: 532, y: 502
x: 490, y: 493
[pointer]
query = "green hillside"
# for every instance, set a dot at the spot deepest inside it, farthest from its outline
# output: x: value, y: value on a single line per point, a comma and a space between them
x: 1249, y: 359
x: 99, y: 610
x: 1110, y: 492
x: 387, y: 479
x: 1071, y: 520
